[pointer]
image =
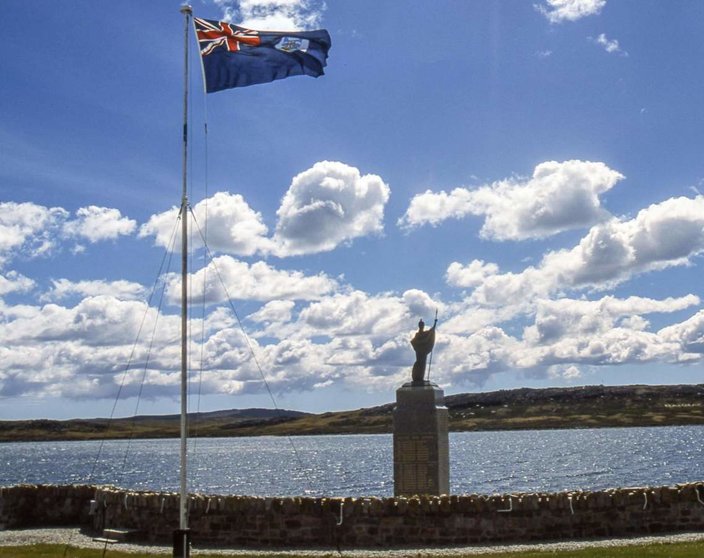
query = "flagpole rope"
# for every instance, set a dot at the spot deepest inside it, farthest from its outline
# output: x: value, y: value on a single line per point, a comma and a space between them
x: 253, y: 355
x: 165, y: 264
x: 201, y: 367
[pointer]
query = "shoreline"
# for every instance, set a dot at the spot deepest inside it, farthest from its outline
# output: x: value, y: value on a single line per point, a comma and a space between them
x: 315, y: 434
x: 78, y: 537
x: 519, y: 409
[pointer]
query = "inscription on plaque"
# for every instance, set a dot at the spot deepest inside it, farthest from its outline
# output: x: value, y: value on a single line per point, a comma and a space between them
x: 411, y: 449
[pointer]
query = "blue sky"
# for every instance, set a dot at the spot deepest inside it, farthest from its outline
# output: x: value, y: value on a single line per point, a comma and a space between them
x: 530, y: 169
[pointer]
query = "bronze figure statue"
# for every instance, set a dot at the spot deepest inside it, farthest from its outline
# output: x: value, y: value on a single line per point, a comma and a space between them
x: 423, y: 343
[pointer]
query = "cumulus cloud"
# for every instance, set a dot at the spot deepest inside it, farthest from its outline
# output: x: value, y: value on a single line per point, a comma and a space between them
x: 689, y: 335
x: 357, y: 313
x: 433, y: 208
x: 610, y: 45
x: 259, y: 281
x: 558, y: 197
x: 273, y: 15
x: 558, y: 11
x: 618, y: 345
x: 232, y: 226
x: 310, y: 330
x: 568, y: 335
x: 14, y: 282
x: 81, y: 351
x: 471, y: 275
x: 98, y: 320
x: 64, y: 288
x: 99, y: 223
x: 421, y: 304
x: 327, y: 205
x: 557, y: 319
x: 663, y: 235
x: 30, y: 230
x: 470, y: 359
x: 570, y: 372
x: 275, y: 311
x: 348, y: 338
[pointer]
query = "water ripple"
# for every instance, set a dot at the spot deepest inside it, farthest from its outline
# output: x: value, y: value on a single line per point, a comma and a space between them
x: 481, y: 462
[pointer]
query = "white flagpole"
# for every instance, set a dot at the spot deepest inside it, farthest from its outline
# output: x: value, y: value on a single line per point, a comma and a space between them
x: 183, y: 502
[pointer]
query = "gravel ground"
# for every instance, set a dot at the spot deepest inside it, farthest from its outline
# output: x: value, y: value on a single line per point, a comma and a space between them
x: 75, y: 537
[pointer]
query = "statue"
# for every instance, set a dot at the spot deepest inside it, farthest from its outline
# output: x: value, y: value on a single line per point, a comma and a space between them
x: 423, y: 343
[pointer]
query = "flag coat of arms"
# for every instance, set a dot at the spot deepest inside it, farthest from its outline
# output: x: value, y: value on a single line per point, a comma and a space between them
x: 235, y: 56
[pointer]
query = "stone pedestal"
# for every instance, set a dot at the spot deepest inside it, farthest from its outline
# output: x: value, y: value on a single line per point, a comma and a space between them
x: 421, y: 449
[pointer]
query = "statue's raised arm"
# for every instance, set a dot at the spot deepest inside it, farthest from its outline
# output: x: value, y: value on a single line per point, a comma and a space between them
x: 423, y: 342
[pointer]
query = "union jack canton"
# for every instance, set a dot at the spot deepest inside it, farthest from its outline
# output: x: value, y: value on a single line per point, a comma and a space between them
x: 234, y: 56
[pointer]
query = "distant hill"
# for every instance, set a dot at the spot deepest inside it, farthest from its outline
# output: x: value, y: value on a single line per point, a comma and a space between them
x: 215, y: 423
x: 518, y: 409
x: 580, y: 407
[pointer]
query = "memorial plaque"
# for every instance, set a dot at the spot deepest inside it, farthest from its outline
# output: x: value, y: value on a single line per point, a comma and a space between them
x: 421, y: 449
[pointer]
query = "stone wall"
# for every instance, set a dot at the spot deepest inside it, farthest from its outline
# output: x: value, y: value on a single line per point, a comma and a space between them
x: 44, y: 505
x: 364, y: 522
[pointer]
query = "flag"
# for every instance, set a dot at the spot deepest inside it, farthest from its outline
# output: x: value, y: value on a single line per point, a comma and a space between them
x: 234, y: 56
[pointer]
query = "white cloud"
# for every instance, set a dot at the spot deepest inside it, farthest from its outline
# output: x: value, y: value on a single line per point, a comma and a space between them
x: 661, y: 236
x: 558, y: 197
x: 14, y: 282
x: 312, y: 330
x: 327, y: 205
x: 232, y: 226
x: 241, y: 281
x: 570, y: 372
x: 557, y: 11
x: 357, y: 313
x: 463, y: 359
x: 352, y: 339
x: 29, y: 230
x: 689, y: 335
x: 274, y: 311
x: 99, y: 223
x: 567, y: 335
x: 433, y: 208
x: 471, y: 275
x: 273, y: 15
x: 64, y: 288
x: 610, y: 45
x: 616, y: 346
x: 95, y: 320
x: 421, y: 304
x: 557, y: 319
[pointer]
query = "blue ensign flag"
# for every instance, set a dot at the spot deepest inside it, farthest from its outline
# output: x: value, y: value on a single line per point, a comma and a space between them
x: 236, y: 57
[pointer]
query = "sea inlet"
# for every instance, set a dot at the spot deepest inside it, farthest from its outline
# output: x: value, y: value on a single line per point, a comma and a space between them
x: 362, y: 465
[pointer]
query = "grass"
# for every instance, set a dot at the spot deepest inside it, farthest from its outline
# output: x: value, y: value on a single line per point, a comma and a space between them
x: 669, y: 550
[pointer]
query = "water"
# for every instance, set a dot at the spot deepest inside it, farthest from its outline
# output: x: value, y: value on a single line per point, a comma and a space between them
x: 482, y: 462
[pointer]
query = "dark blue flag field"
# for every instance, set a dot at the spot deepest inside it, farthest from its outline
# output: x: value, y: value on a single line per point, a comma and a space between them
x: 236, y: 57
